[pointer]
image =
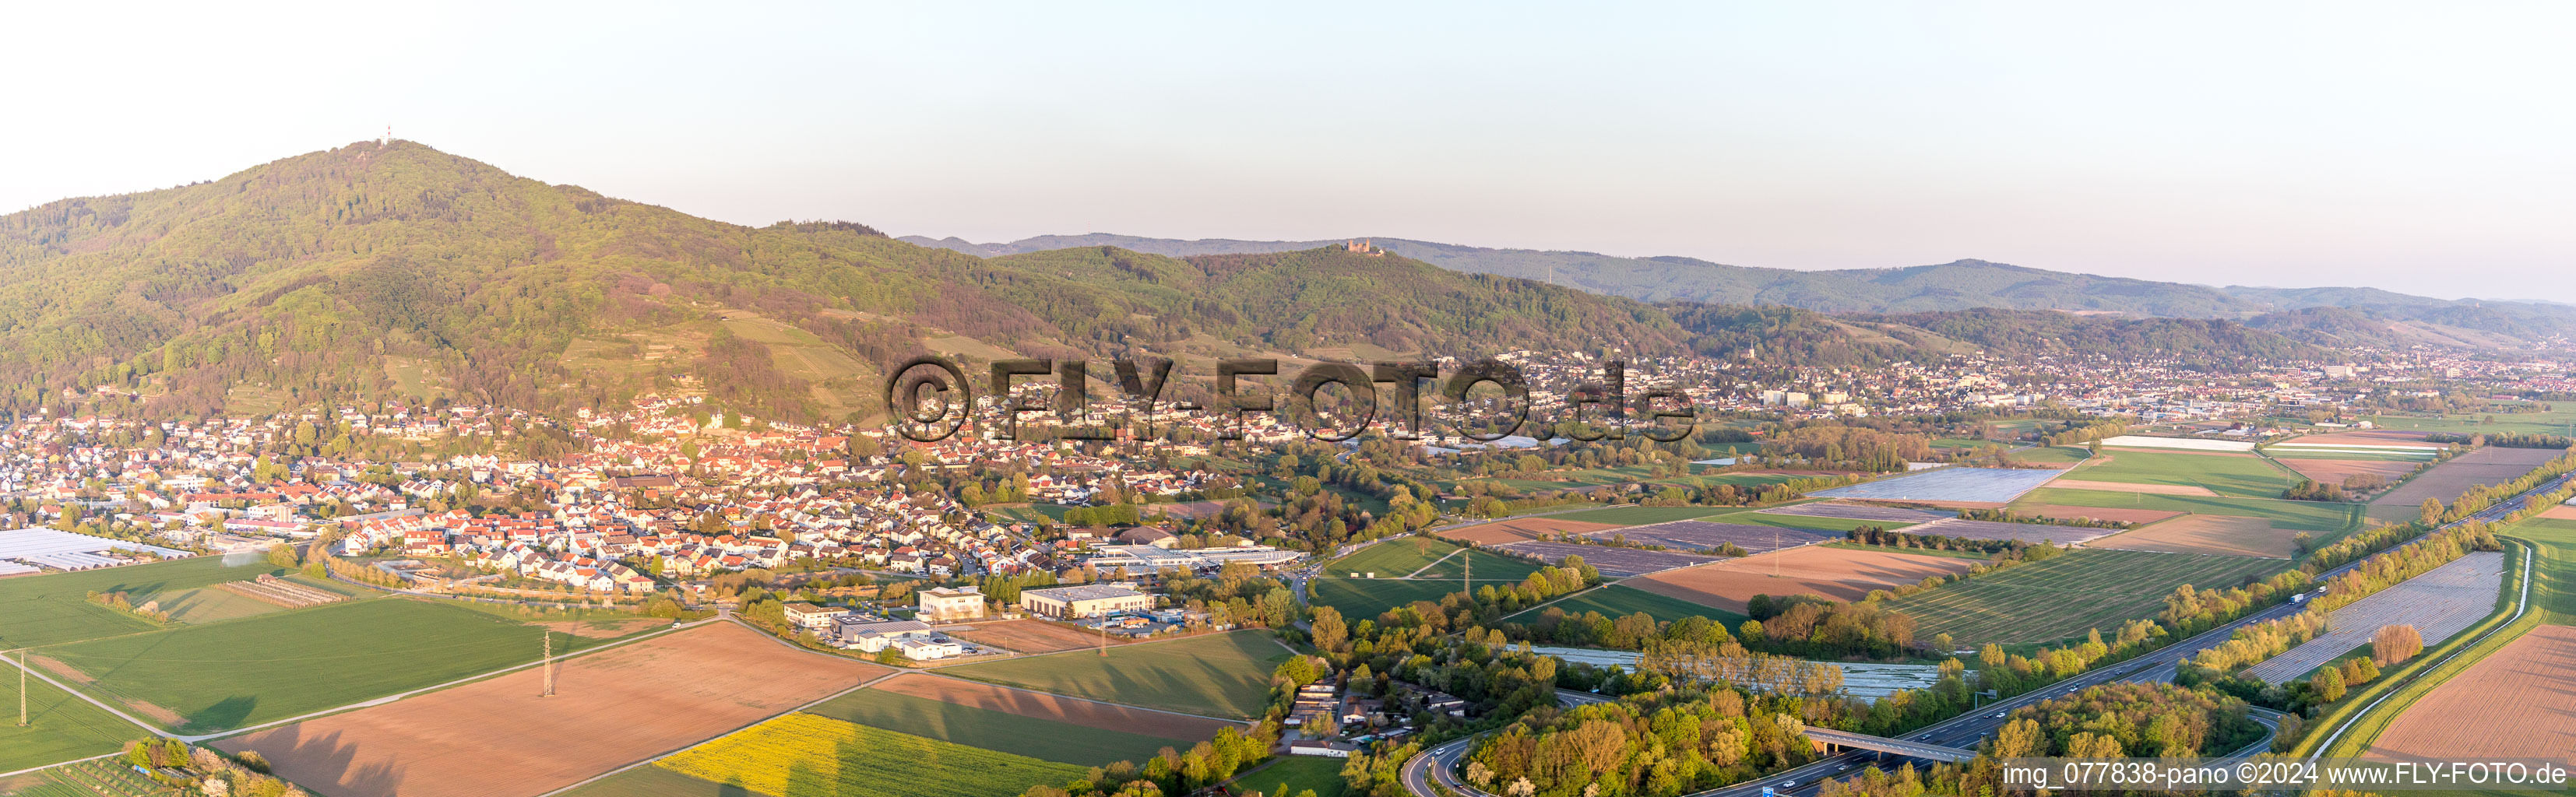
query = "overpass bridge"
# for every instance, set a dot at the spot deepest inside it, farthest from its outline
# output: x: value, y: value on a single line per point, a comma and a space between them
x: 1833, y: 738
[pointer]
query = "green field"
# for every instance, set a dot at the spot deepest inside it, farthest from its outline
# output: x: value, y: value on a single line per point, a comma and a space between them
x: 2277, y: 452
x: 2244, y: 476
x: 52, y: 609
x: 654, y: 781
x: 209, y: 604
x: 803, y: 754
x: 1294, y: 775
x: 1366, y: 598
x: 1223, y: 675
x: 1486, y: 565
x: 2329, y: 519
x: 2553, y: 587
x: 2050, y: 455
x: 244, y: 672
x: 1050, y: 740
x: 60, y: 727
x: 1618, y: 601
x: 1395, y: 557
x: 2061, y: 597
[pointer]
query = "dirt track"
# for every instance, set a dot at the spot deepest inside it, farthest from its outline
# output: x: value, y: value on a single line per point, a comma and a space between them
x: 2519, y: 702
x: 1051, y: 707
x: 498, y: 738
x: 1838, y: 573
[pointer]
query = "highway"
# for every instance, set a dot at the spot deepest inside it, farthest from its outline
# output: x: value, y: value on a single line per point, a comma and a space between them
x: 1966, y: 730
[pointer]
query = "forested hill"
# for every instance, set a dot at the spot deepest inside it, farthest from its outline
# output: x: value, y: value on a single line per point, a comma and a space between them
x: 2379, y: 317
x: 372, y: 272
x: 1787, y: 334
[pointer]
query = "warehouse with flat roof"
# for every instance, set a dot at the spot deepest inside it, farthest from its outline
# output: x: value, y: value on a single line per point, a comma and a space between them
x: 1088, y: 600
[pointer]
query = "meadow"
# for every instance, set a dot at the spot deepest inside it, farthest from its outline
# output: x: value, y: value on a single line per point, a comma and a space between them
x: 1366, y: 598
x: 203, y: 678
x: 52, y: 609
x: 2050, y: 455
x: 1618, y: 601
x: 1395, y: 557
x: 60, y: 727
x: 1290, y: 776
x: 1221, y: 675
x: 2243, y: 476
x: 1061, y: 742
x: 802, y: 754
x: 2062, y: 597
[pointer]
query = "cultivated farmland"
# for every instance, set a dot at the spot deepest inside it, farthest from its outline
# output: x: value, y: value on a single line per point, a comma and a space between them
x: 1014, y: 721
x: 1620, y: 600
x: 1030, y: 636
x: 2226, y: 535
x: 1221, y: 675
x: 2240, y: 475
x: 1640, y: 515
x: 1839, y: 573
x: 2515, y: 703
x: 2438, y: 604
x: 2446, y: 481
x: 60, y: 727
x: 611, y: 708
x: 1853, y: 511
x: 244, y: 672
x: 2329, y: 520
x: 2335, y: 471
x: 1999, y: 530
x: 52, y: 609
x: 801, y: 754
x: 1702, y: 535
x: 1366, y: 598
x: 1536, y: 528
x: 2094, y: 513
x: 2062, y: 596
x: 1612, y: 562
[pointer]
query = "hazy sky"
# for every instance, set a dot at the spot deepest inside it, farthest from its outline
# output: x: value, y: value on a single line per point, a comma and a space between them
x: 2427, y: 148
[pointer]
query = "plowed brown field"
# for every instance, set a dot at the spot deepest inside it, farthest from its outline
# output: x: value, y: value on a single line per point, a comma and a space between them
x: 2519, y: 702
x: 497, y: 737
x: 1838, y: 573
x: 1537, y: 528
x: 2333, y: 471
x: 2225, y: 535
x: 1032, y: 636
x: 1051, y: 707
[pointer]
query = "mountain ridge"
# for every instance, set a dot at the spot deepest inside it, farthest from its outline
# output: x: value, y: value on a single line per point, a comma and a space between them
x: 1957, y: 285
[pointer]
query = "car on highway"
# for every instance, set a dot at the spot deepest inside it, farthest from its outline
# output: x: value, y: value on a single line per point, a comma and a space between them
x: 2000, y: 714
x: 1786, y: 784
